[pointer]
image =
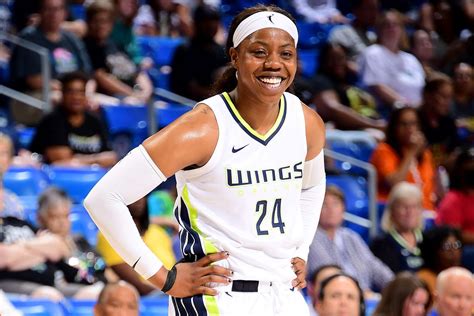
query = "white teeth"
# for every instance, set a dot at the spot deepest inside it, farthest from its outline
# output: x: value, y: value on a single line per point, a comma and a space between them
x: 271, y: 80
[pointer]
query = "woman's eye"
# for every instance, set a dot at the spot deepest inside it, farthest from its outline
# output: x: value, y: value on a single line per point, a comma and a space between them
x: 259, y: 53
x: 287, y: 54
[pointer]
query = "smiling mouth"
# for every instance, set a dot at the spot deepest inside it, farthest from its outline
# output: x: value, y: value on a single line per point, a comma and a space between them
x: 272, y: 82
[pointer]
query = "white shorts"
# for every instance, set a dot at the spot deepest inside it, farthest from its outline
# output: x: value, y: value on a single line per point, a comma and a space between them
x: 268, y: 300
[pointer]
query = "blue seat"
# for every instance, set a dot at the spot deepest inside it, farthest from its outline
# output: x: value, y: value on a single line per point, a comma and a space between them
x: 159, y: 48
x: 82, y: 223
x: 308, y: 61
x: 168, y: 112
x: 25, y: 181
x: 25, y: 136
x: 80, y: 307
x: 37, y: 307
x: 355, y: 190
x: 77, y: 182
x: 156, y: 306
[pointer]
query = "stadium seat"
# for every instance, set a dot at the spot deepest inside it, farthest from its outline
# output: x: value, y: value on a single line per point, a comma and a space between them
x: 77, y: 182
x: 82, y: 224
x: 25, y: 181
x: 37, y: 307
x: 168, y: 112
x: 156, y: 306
x: 355, y: 190
x: 77, y: 307
x: 25, y: 136
x: 308, y: 61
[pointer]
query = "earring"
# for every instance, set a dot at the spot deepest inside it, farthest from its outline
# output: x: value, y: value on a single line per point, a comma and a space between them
x: 237, y: 75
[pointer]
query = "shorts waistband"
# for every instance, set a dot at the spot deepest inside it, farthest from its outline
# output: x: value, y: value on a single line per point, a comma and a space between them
x: 249, y: 286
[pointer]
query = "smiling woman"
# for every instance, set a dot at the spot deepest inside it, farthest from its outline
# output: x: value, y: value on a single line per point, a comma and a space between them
x: 250, y: 181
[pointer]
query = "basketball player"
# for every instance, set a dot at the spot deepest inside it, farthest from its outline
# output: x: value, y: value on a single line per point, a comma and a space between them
x: 250, y: 180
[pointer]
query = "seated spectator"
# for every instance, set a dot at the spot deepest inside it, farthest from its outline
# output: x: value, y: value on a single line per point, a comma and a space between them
x: 70, y: 135
x: 436, y: 123
x: 119, y: 298
x: 334, y: 244
x: 114, y: 72
x: 197, y: 64
x: 164, y: 18
x: 457, y: 207
x: 438, y: 17
x: 315, y: 280
x: 441, y: 249
x: 404, y: 157
x: 406, y: 295
x: 340, y: 294
x: 356, y: 36
x: 337, y: 99
x: 455, y: 292
x: 67, y: 54
x: 394, y: 76
x: 154, y: 236
x: 422, y: 48
x: 54, y: 208
x: 319, y: 11
x: 402, y: 221
x: 463, y: 100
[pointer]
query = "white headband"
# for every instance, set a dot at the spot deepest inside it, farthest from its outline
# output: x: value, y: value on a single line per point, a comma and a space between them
x: 262, y: 20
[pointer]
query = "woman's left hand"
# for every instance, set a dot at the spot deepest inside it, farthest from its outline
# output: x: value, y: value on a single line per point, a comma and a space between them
x: 299, y: 267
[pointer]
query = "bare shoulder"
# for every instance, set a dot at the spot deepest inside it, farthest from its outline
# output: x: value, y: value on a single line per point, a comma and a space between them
x: 315, y: 131
x: 188, y: 141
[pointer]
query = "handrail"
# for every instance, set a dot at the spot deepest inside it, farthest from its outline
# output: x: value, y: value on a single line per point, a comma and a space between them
x: 372, y: 181
x: 44, y: 104
x: 163, y: 93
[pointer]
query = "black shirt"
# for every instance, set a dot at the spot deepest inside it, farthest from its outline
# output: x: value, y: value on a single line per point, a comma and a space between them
x: 55, y: 130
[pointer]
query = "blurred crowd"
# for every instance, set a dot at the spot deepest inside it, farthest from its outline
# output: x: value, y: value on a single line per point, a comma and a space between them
x: 400, y: 70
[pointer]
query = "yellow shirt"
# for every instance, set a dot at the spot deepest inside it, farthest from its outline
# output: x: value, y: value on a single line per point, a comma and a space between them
x: 155, y: 238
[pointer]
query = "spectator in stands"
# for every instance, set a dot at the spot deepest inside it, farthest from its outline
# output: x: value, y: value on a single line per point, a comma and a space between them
x: 70, y: 135
x: 406, y: 295
x: 336, y: 98
x: 404, y: 157
x: 436, y: 123
x: 154, y: 236
x: 197, y: 64
x: 115, y: 73
x: 334, y: 244
x: 66, y: 53
x: 463, y: 100
x: 315, y: 280
x: 356, y: 36
x: 438, y: 17
x: 119, y: 298
x: 455, y: 292
x: 402, y: 222
x: 441, y: 249
x: 394, y: 76
x: 423, y: 49
x: 319, y: 11
x: 457, y: 207
x: 164, y: 18
x: 340, y: 294
x: 54, y: 209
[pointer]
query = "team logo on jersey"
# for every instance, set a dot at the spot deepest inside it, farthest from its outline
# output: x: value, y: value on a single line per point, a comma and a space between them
x: 234, y: 150
x: 246, y: 177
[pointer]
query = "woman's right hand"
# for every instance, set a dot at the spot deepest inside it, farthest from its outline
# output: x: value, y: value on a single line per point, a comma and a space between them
x: 417, y: 142
x: 194, y: 278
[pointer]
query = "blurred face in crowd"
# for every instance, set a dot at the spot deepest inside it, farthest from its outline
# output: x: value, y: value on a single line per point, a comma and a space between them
x: 100, y: 26
x: 407, y: 126
x: 367, y: 12
x: 128, y: 9
x: 422, y: 45
x: 406, y: 213
x: 119, y: 300
x: 53, y: 13
x: 415, y: 305
x: 462, y: 78
x: 341, y: 298
x: 439, y: 101
x: 450, y: 252
x: 74, y: 96
x: 456, y: 296
x: 6, y: 154
x: 322, y: 275
x: 56, y: 218
x: 332, y: 212
x: 336, y: 62
x: 391, y: 28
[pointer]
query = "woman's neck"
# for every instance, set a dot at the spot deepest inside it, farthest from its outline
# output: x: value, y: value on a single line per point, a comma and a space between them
x: 409, y: 237
x: 393, y: 47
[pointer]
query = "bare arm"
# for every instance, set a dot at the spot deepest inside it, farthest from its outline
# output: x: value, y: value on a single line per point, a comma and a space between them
x: 110, y: 84
x: 64, y: 155
x: 331, y: 109
x: 387, y: 94
x: 16, y: 257
x: 78, y: 27
x: 126, y: 273
x: 51, y: 246
x: 146, y: 87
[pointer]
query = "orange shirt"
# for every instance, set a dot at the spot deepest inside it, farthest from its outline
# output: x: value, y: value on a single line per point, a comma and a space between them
x: 386, y: 162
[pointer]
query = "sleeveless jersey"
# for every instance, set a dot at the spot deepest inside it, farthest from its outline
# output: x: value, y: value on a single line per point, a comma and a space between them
x: 245, y: 199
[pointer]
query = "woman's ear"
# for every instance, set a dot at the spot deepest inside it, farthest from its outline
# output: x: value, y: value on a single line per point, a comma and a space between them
x: 233, y: 56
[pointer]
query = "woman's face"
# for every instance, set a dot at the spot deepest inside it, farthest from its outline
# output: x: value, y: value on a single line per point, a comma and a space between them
x: 100, y: 26
x: 406, y: 214
x: 56, y: 219
x: 407, y: 126
x: 336, y: 62
x: 440, y: 100
x: 449, y: 253
x: 266, y: 63
x: 463, y: 76
x: 332, y: 212
x: 391, y: 29
x: 415, y: 304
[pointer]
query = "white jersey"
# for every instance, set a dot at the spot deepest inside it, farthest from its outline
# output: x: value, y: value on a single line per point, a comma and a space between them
x: 245, y: 199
